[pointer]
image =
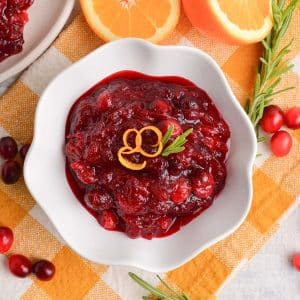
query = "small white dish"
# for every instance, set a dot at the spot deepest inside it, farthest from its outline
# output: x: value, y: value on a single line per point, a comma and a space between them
x: 46, y: 20
x: 45, y: 164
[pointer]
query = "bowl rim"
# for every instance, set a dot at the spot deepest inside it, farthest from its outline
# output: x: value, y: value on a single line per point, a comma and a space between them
x: 42, y: 45
x: 248, y: 167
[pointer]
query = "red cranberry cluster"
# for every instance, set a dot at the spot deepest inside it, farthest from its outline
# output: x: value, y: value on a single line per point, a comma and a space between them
x: 11, y: 169
x: 20, y: 265
x: 273, y: 119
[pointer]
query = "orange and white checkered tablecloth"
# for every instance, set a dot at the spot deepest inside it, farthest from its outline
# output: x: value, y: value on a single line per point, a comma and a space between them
x: 276, y: 182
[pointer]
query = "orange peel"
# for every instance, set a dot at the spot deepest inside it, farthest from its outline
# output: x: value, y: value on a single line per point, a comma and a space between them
x: 127, y: 149
x: 156, y: 131
x: 127, y: 163
x: 138, y: 138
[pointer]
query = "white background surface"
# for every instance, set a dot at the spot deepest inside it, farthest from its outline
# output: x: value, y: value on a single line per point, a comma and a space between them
x: 270, y: 275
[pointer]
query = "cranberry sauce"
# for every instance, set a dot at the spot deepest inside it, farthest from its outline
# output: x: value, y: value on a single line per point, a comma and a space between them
x: 170, y: 191
x: 13, y: 17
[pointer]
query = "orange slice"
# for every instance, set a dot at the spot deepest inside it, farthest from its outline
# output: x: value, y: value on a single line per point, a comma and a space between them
x: 231, y: 21
x: 148, y: 19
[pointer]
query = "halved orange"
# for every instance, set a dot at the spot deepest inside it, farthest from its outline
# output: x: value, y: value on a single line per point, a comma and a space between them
x: 231, y: 21
x: 148, y: 19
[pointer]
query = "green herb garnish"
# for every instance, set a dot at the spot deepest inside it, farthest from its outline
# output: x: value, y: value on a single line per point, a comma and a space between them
x: 155, y: 292
x: 168, y: 134
x: 178, y: 144
x: 272, y: 64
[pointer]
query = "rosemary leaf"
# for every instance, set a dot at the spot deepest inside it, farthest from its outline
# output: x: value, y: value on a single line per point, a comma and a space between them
x: 280, y: 4
x: 148, y: 287
x: 170, y: 289
x: 273, y: 64
x: 281, y: 71
x: 263, y: 61
x: 177, y: 145
x: 282, y: 91
x: 167, y: 135
x: 260, y: 140
x: 173, y: 151
x: 265, y: 44
x: 246, y: 108
x: 156, y: 292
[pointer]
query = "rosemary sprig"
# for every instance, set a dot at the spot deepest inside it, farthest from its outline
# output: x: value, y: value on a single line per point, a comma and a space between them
x: 156, y: 292
x: 273, y: 63
x: 167, y: 135
x: 178, y: 144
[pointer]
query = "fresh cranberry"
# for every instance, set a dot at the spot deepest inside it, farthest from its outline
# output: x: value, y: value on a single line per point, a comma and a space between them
x: 292, y: 117
x: 6, y: 239
x: 296, y: 261
x: 11, y: 172
x: 23, y: 151
x: 182, y: 191
x: 273, y: 119
x: 8, y: 147
x: 44, y: 270
x: 281, y: 143
x: 108, y: 219
x: 203, y: 185
x: 19, y: 265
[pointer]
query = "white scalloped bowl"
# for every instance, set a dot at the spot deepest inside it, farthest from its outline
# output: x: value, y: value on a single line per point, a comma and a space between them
x: 46, y: 20
x: 45, y: 163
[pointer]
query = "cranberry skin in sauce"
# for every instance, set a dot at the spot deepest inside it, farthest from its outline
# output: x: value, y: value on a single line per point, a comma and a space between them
x: 13, y: 17
x: 170, y: 191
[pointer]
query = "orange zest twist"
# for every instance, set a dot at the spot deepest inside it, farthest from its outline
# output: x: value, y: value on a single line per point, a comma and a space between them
x: 127, y: 149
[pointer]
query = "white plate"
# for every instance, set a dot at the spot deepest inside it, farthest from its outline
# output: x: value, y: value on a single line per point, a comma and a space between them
x: 45, y: 164
x: 46, y: 20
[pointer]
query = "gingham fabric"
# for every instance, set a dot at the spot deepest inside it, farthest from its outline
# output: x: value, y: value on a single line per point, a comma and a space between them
x: 276, y: 183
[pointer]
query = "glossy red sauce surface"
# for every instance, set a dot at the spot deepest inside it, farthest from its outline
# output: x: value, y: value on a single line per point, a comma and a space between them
x: 13, y: 17
x: 170, y: 191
